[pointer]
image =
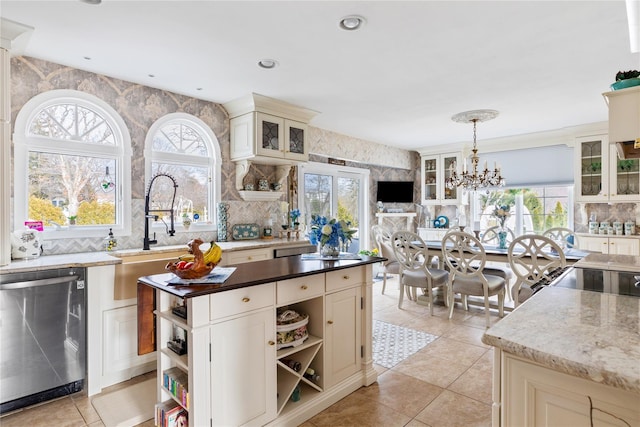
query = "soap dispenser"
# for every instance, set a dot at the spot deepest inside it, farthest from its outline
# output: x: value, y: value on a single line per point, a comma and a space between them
x: 110, y: 242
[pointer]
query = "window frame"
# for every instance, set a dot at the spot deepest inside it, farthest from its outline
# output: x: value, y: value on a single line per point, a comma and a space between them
x: 120, y: 152
x: 517, y: 208
x: 214, y: 162
x: 336, y: 171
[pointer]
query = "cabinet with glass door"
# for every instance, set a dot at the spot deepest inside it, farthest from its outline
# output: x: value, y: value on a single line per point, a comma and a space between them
x: 601, y: 175
x: 436, y: 169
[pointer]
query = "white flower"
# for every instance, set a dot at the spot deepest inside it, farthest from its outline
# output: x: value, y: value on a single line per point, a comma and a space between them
x: 326, y: 229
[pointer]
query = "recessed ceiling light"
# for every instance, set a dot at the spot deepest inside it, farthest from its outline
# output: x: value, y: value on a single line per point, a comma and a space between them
x: 91, y: 1
x: 352, y: 22
x: 268, y: 63
x: 88, y: 58
x: 198, y: 88
x: 152, y: 75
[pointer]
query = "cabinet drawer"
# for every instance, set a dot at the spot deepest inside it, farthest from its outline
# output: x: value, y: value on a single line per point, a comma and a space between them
x: 242, y: 300
x: 251, y: 255
x: 339, y: 279
x: 300, y: 288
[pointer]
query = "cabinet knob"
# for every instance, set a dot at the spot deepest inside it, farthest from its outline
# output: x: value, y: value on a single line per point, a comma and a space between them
x: 249, y: 258
x: 304, y: 287
x: 345, y: 277
x: 330, y: 322
x: 245, y: 299
x: 271, y: 343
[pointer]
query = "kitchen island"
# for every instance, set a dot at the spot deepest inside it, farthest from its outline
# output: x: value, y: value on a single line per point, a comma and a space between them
x: 237, y: 368
x: 567, y: 357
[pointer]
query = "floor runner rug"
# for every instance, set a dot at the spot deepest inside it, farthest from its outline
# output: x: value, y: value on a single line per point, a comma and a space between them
x: 128, y: 406
x: 392, y: 343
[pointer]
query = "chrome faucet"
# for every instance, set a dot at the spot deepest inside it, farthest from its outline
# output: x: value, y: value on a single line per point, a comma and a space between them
x: 148, y: 212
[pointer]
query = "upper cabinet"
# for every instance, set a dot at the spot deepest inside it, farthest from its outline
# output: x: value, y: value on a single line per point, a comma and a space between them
x: 624, y: 114
x: 436, y: 169
x: 269, y: 139
x: 601, y: 176
x: 267, y: 131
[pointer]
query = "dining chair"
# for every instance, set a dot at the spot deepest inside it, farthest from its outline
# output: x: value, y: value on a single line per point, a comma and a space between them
x: 465, y: 258
x: 415, y: 271
x: 532, y: 257
x: 382, y: 237
x: 565, y: 237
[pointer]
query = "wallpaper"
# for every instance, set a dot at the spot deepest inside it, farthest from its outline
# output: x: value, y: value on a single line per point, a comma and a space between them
x: 140, y: 106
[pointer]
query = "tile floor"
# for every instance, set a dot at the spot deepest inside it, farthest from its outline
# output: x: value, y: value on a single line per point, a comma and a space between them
x: 446, y: 384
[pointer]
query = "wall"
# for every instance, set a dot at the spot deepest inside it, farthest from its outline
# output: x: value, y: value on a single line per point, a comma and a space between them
x: 140, y: 106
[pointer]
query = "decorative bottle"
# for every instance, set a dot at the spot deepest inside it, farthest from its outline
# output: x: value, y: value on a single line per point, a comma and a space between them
x: 110, y: 242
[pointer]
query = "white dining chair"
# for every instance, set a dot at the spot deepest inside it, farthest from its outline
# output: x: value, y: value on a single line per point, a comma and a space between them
x: 565, y: 237
x: 382, y: 237
x: 415, y: 272
x: 532, y: 257
x: 465, y: 258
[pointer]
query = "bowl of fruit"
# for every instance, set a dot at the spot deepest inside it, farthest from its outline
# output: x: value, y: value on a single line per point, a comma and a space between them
x: 196, y: 264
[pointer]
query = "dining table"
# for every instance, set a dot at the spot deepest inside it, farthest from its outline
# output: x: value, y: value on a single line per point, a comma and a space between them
x: 497, y: 254
x: 493, y: 254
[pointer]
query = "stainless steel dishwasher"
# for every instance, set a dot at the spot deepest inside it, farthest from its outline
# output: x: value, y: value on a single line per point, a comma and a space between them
x: 42, y: 336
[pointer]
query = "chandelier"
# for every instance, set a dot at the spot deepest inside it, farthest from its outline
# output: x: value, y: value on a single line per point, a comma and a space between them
x: 473, y: 179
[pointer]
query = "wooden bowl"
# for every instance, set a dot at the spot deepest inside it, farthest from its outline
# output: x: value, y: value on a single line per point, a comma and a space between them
x: 192, y: 273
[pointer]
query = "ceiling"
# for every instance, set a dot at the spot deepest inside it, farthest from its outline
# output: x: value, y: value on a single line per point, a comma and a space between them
x: 397, y: 81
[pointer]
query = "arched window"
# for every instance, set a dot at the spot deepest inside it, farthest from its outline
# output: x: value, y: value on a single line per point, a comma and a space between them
x: 183, y: 146
x: 72, y: 166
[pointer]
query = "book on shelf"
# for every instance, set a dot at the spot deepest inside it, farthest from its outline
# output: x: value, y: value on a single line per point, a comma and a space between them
x: 176, y: 382
x: 170, y: 414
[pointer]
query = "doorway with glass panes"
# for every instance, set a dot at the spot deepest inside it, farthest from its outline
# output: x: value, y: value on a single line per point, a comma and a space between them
x: 336, y: 192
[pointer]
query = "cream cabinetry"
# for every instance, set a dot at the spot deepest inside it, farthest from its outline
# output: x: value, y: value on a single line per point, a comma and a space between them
x: 243, y: 359
x: 610, y: 245
x: 534, y: 395
x: 267, y: 131
x: 248, y: 255
x: 234, y: 371
x: 436, y: 169
x: 432, y: 233
x: 601, y: 176
x: 256, y: 135
x: 624, y: 113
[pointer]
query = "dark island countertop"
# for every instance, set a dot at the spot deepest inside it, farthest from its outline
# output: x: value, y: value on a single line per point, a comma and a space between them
x: 256, y: 273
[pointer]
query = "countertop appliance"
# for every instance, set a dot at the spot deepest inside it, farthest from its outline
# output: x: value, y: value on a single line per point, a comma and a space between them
x: 42, y: 336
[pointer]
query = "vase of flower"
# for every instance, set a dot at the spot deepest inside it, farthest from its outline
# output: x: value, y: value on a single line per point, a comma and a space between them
x: 329, y: 235
x: 329, y: 250
x: 502, y: 239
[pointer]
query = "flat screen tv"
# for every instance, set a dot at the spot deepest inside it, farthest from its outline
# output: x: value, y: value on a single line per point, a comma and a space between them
x: 395, y: 192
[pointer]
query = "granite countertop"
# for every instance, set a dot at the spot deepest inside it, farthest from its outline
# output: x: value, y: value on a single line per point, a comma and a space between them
x: 93, y: 259
x: 610, y: 262
x: 582, y: 333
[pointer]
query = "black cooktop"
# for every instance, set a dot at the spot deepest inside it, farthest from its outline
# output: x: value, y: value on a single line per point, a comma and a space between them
x: 606, y: 281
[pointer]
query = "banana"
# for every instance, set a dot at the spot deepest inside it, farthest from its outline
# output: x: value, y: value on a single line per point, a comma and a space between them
x: 213, y: 254
x: 187, y: 257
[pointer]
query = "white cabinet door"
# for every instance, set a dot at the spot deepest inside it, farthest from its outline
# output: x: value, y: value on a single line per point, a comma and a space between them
x: 243, y: 370
x: 269, y: 135
x: 537, y: 396
x: 624, y: 246
x: 343, y: 332
x: 611, y: 245
x: 436, y: 170
x: 594, y: 244
x: 592, y: 168
x: 120, y: 360
x: 295, y: 141
x: 624, y: 178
